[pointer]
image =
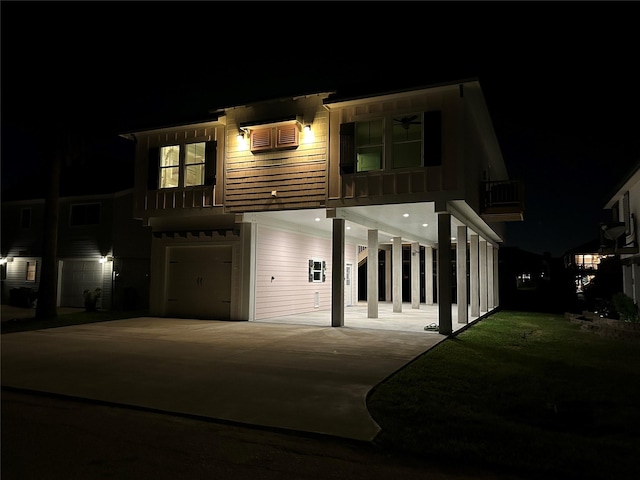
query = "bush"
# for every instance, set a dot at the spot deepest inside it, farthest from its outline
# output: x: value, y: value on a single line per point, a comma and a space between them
x: 626, y: 308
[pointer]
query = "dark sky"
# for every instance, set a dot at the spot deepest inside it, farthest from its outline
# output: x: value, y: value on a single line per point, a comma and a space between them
x: 558, y: 78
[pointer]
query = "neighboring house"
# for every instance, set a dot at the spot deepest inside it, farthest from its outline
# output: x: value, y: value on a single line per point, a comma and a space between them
x: 619, y: 236
x: 268, y: 208
x: 100, y: 245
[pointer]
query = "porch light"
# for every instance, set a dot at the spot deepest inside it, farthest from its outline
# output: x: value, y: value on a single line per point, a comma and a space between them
x: 105, y: 259
x: 3, y: 260
x: 307, y: 128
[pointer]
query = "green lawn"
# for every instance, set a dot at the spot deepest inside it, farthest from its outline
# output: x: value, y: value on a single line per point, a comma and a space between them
x: 524, y: 393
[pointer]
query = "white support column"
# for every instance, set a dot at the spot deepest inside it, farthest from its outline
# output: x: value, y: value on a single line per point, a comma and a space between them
x: 490, y: 297
x: 474, y: 276
x: 445, y: 281
x: 387, y: 274
x: 415, y: 275
x: 428, y: 274
x: 372, y: 274
x: 397, y: 274
x: 461, y: 275
x: 337, y: 273
x: 627, y: 280
x: 496, y: 277
x: 483, y: 275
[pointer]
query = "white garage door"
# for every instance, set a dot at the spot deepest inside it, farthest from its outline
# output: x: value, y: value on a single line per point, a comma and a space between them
x: 199, y: 282
x: 78, y: 276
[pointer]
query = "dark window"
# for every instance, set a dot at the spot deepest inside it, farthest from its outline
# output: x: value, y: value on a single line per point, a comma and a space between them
x: 85, y: 214
x: 25, y: 218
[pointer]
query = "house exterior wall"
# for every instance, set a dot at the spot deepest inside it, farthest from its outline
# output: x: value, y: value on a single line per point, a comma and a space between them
x: 282, y: 272
x: 296, y: 175
x: 409, y: 184
x: 152, y: 201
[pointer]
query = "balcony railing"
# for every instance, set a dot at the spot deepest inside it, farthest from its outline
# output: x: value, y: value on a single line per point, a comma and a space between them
x: 502, y: 201
x: 192, y: 197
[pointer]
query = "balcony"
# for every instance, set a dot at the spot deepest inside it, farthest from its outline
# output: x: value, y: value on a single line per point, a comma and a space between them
x: 178, y: 199
x: 502, y: 201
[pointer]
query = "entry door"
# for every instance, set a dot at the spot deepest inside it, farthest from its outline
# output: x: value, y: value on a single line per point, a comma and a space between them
x: 199, y: 282
x: 348, y: 284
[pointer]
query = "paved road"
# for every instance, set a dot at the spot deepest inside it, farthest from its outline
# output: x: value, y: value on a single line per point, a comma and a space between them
x: 48, y: 438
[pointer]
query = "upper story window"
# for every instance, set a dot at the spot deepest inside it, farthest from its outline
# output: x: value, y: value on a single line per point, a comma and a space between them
x: 369, y: 145
x: 84, y: 214
x: 412, y: 140
x: 25, y: 218
x: 183, y: 165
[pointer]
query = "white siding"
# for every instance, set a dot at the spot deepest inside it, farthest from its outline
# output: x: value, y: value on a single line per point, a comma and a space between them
x: 285, y: 256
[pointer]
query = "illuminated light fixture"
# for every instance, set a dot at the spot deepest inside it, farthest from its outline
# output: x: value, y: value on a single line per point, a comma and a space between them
x: 105, y: 259
x: 3, y: 260
x: 307, y: 128
x: 348, y: 228
x: 240, y: 136
x: 453, y: 238
x: 405, y: 215
x: 425, y: 224
x: 317, y: 219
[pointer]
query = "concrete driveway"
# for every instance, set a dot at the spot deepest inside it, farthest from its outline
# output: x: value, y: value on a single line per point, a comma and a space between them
x: 297, y: 377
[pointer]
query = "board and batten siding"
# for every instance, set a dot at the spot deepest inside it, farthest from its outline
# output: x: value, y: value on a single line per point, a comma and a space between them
x: 298, y: 176
x: 282, y: 272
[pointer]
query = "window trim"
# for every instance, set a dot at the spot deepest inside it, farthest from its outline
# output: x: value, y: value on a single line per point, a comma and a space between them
x: 35, y: 272
x: 154, y: 174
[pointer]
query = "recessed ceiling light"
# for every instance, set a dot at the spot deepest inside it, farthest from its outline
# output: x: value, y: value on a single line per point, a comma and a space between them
x: 348, y: 228
x: 405, y: 215
x: 317, y: 219
x: 425, y: 224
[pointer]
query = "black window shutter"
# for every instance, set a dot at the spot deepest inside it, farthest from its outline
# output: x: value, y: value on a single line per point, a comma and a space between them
x: 432, y: 138
x: 211, y: 162
x: 347, y: 148
x: 153, y: 165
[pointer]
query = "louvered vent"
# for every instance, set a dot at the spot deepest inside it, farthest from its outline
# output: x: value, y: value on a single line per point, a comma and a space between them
x: 287, y: 136
x: 261, y: 139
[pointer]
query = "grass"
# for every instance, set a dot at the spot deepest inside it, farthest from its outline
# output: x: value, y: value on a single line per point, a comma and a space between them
x: 521, y: 393
x: 76, y: 318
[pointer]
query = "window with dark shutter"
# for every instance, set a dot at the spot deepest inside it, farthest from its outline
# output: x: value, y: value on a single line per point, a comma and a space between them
x: 211, y: 162
x: 153, y: 166
x: 432, y: 138
x: 347, y: 148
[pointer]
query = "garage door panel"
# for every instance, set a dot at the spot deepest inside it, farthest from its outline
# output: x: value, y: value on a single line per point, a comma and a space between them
x: 78, y: 276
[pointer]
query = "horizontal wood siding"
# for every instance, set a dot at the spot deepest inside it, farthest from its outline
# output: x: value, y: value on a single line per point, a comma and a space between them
x: 298, y: 176
x: 285, y: 256
x: 17, y: 275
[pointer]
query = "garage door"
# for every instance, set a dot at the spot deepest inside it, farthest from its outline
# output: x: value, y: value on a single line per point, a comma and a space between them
x: 199, y: 282
x: 78, y: 276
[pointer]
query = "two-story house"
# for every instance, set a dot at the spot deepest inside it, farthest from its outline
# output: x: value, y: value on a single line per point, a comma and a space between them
x: 100, y: 245
x: 619, y: 236
x: 268, y: 208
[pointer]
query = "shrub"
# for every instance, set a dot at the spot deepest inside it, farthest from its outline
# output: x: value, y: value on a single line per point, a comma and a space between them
x: 626, y: 308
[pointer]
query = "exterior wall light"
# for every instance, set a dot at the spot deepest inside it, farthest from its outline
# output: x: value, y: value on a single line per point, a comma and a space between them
x: 307, y: 128
x: 105, y: 259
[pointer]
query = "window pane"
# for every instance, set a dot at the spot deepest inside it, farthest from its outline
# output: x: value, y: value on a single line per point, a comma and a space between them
x: 169, y: 177
x: 407, y: 141
x: 194, y: 153
x: 407, y: 154
x: 31, y: 272
x: 169, y: 156
x: 369, y: 133
x: 194, y: 175
x: 369, y: 159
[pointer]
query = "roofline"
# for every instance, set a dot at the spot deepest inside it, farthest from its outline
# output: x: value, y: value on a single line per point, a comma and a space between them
x: 337, y: 98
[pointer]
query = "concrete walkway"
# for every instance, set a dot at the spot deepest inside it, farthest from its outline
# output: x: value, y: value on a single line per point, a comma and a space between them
x: 282, y: 375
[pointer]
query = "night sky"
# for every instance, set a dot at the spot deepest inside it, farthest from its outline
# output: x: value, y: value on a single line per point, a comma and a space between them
x: 558, y: 78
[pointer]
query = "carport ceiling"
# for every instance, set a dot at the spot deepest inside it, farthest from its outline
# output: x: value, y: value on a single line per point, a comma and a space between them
x: 414, y: 222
